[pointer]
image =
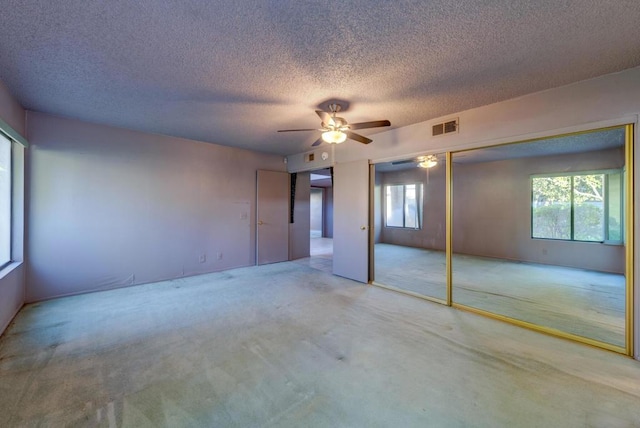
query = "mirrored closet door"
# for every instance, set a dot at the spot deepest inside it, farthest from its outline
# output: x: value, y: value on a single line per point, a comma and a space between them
x: 539, y: 233
x: 409, y: 227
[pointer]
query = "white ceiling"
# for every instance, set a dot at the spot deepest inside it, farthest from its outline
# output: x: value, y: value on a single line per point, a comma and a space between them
x: 234, y: 72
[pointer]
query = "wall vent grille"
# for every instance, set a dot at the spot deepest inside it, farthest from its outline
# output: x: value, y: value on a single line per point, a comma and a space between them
x: 443, y: 128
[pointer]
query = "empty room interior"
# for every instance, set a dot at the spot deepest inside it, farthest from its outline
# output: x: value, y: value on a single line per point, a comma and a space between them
x: 314, y: 214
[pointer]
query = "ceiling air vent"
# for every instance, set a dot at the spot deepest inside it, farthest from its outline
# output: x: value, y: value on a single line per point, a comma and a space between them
x: 445, y: 128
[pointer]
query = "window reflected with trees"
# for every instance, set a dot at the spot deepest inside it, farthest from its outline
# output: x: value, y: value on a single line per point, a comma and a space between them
x: 579, y: 207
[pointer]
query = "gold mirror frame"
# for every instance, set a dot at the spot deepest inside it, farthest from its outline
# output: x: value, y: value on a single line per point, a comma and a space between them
x: 628, y: 349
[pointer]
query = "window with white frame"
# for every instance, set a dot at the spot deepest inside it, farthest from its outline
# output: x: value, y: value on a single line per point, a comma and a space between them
x: 403, y: 204
x: 5, y: 200
x: 585, y: 206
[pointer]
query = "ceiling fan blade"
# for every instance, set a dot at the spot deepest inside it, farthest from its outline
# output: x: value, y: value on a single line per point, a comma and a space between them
x: 317, y: 142
x: 373, y: 124
x: 295, y: 130
x: 325, y: 117
x: 357, y: 137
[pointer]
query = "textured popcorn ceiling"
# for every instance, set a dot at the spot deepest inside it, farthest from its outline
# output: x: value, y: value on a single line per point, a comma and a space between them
x: 234, y: 72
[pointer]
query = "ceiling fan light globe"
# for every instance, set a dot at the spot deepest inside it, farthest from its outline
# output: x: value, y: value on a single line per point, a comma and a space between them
x: 334, y: 137
x: 428, y: 162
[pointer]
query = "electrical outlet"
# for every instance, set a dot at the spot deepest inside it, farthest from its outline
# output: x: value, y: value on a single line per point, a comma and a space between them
x: 219, y: 255
x: 203, y: 258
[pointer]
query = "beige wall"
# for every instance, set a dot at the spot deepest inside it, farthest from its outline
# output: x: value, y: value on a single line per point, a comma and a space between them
x: 316, y: 208
x: 111, y: 207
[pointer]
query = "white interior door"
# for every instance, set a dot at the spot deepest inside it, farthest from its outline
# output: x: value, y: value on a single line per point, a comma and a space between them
x: 351, y: 220
x: 272, y: 217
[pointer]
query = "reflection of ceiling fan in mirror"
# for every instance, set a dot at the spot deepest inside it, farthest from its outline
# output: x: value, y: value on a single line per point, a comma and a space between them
x: 336, y: 130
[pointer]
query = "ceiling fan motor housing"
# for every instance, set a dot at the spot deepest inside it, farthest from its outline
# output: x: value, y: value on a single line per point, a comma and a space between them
x: 336, y: 129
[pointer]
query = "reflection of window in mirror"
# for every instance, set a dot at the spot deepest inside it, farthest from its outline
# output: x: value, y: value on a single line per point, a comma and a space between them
x: 582, y: 206
x: 403, y: 206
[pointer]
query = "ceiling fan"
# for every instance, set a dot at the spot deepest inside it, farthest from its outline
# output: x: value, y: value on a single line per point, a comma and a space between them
x: 336, y: 130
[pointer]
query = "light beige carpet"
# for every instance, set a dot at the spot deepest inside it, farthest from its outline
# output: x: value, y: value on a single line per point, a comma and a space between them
x: 286, y: 345
x: 585, y: 303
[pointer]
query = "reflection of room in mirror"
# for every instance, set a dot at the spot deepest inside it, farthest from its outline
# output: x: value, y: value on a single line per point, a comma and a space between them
x: 537, y: 233
x: 410, y: 217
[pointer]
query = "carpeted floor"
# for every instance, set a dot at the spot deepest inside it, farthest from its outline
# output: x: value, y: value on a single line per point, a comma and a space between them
x: 287, y: 345
x: 585, y: 303
x: 321, y: 250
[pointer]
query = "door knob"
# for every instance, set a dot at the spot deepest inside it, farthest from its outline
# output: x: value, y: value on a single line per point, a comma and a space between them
x: 363, y: 227
x: 260, y: 222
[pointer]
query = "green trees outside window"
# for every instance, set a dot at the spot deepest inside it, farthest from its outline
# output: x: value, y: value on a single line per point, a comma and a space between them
x: 578, y: 207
